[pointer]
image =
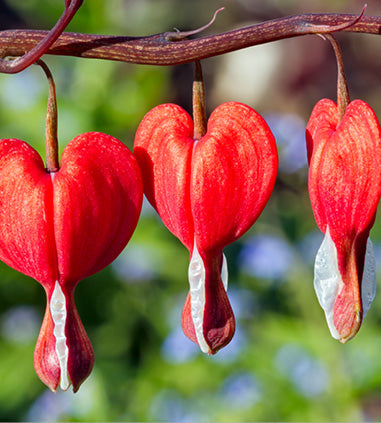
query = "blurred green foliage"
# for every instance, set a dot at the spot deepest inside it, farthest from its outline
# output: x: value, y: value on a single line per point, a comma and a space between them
x: 282, y: 364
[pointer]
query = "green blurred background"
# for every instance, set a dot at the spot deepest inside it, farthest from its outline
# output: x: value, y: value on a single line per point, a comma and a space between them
x: 282, y: 364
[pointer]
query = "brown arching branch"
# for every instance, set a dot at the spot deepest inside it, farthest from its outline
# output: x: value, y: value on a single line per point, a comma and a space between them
x: 160, y: 50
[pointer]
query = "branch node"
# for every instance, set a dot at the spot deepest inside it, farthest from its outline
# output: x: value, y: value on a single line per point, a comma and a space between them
x: 31, y: 56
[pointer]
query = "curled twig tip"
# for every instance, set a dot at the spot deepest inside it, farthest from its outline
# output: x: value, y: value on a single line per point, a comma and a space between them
x: 178, y: 35
x: 326, y: 29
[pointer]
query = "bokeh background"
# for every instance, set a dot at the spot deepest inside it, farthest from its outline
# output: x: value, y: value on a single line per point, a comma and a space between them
x: 282, y: 364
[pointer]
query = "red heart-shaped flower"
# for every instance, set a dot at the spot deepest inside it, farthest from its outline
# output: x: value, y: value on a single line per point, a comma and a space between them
x: 345, y: 189
x: 61, y: 227
x: 208, y: 193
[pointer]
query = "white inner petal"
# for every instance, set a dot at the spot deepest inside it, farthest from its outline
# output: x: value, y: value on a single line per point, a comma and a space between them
x: 328, y: 282
x: 196, y: 275
x: 224, y: 272
x: 58, y: 311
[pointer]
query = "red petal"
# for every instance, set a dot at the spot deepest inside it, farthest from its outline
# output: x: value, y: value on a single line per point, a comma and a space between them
x: 46, y: 362
x: 81, y: 354
x: 187, y: 321
x: 97, y: 196
x: 163, y: 147
x: 344, y: 178
x: 26, y: 233
x: 234, y: 168
x: 97, y: 202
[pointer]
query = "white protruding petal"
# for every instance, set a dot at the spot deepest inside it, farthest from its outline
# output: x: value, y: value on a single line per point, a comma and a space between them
x: 58, y: 311
x: 327, y: 280
x: 196, y: 275
x: 369, y: 282
x: 224, y: 272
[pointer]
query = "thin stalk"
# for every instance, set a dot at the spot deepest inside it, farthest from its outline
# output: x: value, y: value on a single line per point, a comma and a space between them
x: 198, y: 100
x: 343, y: 98
x: 51, y: 139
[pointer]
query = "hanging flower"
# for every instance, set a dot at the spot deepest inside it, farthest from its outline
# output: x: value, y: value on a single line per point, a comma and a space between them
x: 208, y: 189
x: 344, y: 154
x: 62, y: 223
x: 60, y: 227
x: 345, y: 189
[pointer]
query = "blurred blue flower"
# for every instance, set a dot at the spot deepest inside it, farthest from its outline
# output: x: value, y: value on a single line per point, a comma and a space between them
x: 241, y: 390
x: 21, y: 324
x: 50, y: 407
x: 266, y: 257
x: 309, y: 376
x: 289, y: 132
x: 243, y: 302
x: 170, y: 406
x: 177, y: 348
x: 137, y: 263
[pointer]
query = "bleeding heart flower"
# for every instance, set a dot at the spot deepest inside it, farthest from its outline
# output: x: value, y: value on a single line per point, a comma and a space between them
x: 208, y: 192
x: 345, y: 188
x: 60, y: 227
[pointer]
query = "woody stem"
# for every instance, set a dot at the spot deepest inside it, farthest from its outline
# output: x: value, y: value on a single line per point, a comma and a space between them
x: 157, y: 50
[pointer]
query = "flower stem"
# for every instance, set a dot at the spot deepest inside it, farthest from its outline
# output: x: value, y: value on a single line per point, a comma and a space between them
x: 199, y: 111
x: 52, y: 164
x: 343, y: 98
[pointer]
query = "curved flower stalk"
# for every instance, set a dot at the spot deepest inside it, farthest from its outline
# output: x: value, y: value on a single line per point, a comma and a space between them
x: 208, y: 189
x: 60, y: 227
x: 345, y: 189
